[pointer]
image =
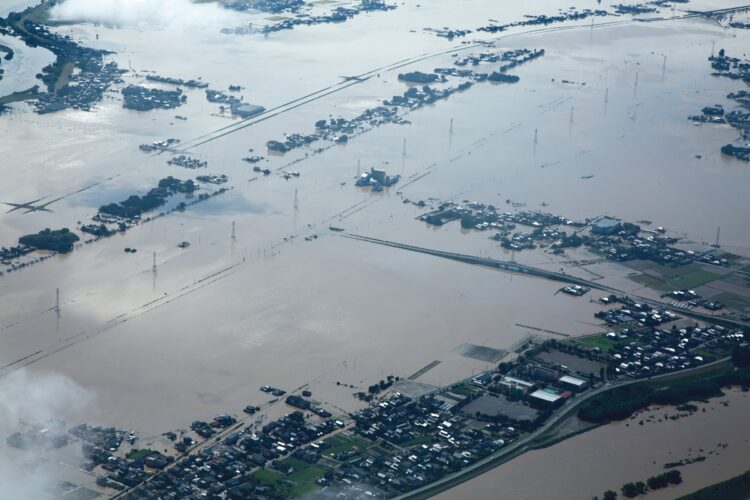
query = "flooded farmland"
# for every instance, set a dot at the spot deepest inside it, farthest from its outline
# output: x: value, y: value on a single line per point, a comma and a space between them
x: 619, y: 453
x: 272, y: 291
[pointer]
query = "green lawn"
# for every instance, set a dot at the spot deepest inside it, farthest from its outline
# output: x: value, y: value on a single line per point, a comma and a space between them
x: 601, y: 341
x: 267, y: 477
x: 712, y: 353
x: 342, y: 443
x: 299, y: 483
x: 679, y: 278
x: 650, y: 281
x: 304, y: 476
x: 673, y: 272
x: 693, y: 279
x: 462, y: 390
x: 419, y: 440
x: 135, y: 454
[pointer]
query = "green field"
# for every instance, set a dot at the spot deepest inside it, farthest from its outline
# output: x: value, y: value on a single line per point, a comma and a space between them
x: 304, y: 476
x: 135, y: 454
x: 419, y: 440
x: 341, y: 443
x: 299, y: 483
x: 267, y: 477
x: 604, y: 343
x: 712, y: 354
x: 676, y: 278
x: 461, y: 390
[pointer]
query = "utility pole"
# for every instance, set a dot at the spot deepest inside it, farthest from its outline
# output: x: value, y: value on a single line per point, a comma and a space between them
x: 57, y: 302
x: 234, y: 231
x: 606, y: 95
x: 570, y: 125
x: 403, y: 152
x: 296, y: 204
x: 718, y: 233
x: 153, y: 267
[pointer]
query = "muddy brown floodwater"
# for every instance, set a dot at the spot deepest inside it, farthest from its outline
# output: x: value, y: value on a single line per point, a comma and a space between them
x: 226, y: 316
x: 610, y: 456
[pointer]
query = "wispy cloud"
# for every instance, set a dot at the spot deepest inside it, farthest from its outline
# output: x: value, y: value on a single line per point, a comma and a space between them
x: 27, y: 397
x: 169, y: 14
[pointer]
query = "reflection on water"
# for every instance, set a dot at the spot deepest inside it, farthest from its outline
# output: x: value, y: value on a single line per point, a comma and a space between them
x: 225, y: 316
x: 20, y: 72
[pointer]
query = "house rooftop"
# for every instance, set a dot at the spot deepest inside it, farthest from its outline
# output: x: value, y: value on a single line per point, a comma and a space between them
x: 545, y: 396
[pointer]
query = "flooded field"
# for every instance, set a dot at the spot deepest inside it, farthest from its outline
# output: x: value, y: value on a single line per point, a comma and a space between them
x: 623, y: 452
x: 266, y: 293
x: 20, y: 72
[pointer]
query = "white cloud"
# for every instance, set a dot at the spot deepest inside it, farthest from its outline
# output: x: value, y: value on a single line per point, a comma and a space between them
x: 177, y: 14
x: 27, y: 397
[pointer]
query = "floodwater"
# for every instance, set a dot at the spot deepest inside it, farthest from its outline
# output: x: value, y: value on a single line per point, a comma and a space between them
x: 9, y: 6
x: 225, y: 316
x: 610, y: 456
x: 20, y: 72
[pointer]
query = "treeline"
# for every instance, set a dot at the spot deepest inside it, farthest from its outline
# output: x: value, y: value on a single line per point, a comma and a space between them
x: 376, y: 389
x: 133, y: 206
x: 620, y: 403
x: 632, y: 490
x: 736, y: 488
x: 60, y: 240
x: 136, y: 205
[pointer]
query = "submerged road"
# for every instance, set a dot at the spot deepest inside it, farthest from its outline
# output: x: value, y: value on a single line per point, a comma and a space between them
x: 527, y: 444
x: 515, y: 267
x: 363, y: 77
x: 503, y: 265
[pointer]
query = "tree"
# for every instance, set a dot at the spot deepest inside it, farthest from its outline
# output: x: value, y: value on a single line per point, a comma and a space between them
x: 741, y: 356
x: 609, y: 495
x: 674, y: 476
x: 629, y: 490
x: 632, y: 490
